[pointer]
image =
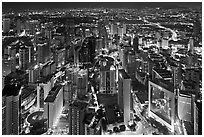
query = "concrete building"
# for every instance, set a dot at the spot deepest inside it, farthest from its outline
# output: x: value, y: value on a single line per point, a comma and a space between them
x: 11, y: 101
x: 53, y: 105
x: 23, y: 58
x: 188, y: 111
x: 124, y: 94
x: 6, y: 25
x: 162, y: 102
x: 107, y: 76
x: 33, y: 74
x: 43, y: 89
x: 165, y: 43
x: 12, y: 54
x: 76, y: 117
x: 43, y: 52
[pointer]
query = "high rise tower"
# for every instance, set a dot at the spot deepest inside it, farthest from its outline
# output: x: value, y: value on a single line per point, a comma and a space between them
x: 11, y: 102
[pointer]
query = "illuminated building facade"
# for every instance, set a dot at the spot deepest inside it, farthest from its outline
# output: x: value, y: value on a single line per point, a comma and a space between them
x: 34, y: 74
x: 76, y: 117
x: 43, y: 51
x: 43, y: 91
x: 23, y: 58
x: 188, y: 111
x: 162, y: 102
x: 124, y: 94
x: 53, y: 105
x: 107, y: 76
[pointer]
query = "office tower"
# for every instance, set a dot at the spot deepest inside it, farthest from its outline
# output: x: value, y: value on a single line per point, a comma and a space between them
x: 23, y: 58
x: 192, y: 74
x: 161, y: 97
x: 124, y: 94
x: 59, y: 56
x: 84, y: 55
x: 164, y: 43
x: 123, y: 59
x: 6, y: 25
x: 53, y: 105
x: 197, y: 30
x: 120, y: 32
x: 114, y: 29
x: 43, y: 53
x: 11, y: 102
x: 92, y: 48
x: 12, y: 54
x: 99, y: 45
x: 31, y: 25
x: 76, y: 117
x: 176, y: 71
x: 18, y: 26
x: 30, y: 54
x: 33, y: 74
x: 191, y: 46
x: 40, y: 97
x: 136, y: 44
x: 188, y: 111
x: 126, y: 99
x: 82, y: 82
x: 113, y: 79
x: 107, y: 76
x: 48, y: 33
x: 68, y: 94
x: 43, y: 89
x: 130, y: 63
x: 76, y: 57
x: 124, y: 29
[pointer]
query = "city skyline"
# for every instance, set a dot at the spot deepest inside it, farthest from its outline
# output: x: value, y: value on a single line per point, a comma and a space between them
x: 102, y: 68
x: 20, y: 6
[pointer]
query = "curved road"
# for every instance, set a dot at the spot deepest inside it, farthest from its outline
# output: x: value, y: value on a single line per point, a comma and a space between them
x: 174, y: 35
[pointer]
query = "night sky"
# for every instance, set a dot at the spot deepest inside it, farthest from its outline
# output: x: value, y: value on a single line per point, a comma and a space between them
x: 20, y: 6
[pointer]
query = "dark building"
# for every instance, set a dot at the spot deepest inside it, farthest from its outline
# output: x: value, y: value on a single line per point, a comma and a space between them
x: 11, y: 110
x: 76, y: 117
x: 136, y: 44
x: 23, y: 58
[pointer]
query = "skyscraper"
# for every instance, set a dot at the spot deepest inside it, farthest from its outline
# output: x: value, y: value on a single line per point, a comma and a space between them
x: 12, y: 54
x: 76, y: 117
x: 107, y: 76
x: 11, y: 101
x: 23, y: 58
x: 43, y: 51
x: 136, y: 44
x: 6, y: 25
x: 53, y: 105
x: 162, y: 102
x: 124, y: 94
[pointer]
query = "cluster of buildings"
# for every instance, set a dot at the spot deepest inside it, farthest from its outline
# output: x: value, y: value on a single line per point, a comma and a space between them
x: 107, y: 72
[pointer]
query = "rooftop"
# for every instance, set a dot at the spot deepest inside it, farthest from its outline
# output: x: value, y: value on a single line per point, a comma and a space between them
x: 189, y: 84
x: 53, y: 93
x: 123, y: 74
x: 110, y: 115
x: 163, y: 73
x: 164, y: 84
x: 11, y: 90
x: 107, y: 99
x: 81, y: 105
x: 26, y: 91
